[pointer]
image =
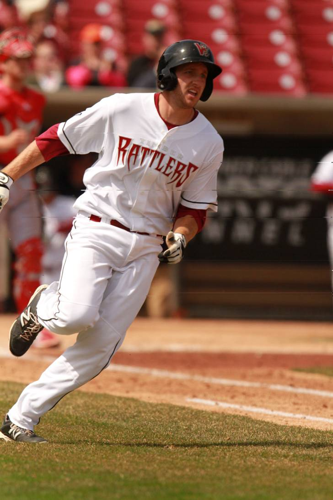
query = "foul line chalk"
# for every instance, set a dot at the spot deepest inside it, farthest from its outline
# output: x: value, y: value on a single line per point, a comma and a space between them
x: 253, y: 409
x: 184, y: 376
x: 218, y: 381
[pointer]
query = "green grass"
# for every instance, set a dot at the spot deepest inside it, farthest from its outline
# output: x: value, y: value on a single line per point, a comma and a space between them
x: 102, y: 447
x: 321, y: 370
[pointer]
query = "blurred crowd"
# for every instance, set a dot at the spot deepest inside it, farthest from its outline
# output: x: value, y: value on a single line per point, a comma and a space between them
x: 55, y: 65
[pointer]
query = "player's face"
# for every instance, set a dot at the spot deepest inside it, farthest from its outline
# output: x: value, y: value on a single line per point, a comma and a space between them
x: 17, y: 69
x: 192, y: 79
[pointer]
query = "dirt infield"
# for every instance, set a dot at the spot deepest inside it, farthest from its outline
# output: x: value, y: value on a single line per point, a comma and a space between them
x: 240, y: 367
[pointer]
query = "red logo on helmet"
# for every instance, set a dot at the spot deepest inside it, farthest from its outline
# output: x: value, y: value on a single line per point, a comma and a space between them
x: 202, y: 49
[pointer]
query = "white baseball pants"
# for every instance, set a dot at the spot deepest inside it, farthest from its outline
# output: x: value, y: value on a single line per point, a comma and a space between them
x: 105, y: 278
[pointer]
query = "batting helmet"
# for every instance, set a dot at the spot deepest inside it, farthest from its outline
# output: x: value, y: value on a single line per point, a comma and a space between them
x: 183, y: 52
x: 15, y: 42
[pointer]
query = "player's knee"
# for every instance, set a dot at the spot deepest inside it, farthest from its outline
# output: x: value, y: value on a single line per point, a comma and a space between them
x: 77, y: 320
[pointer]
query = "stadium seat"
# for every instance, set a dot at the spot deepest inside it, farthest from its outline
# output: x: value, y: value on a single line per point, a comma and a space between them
x: 230, y: 83
x: 137, y: 14
x: 276, y: 81
x: 320, y: 80
x: 270, y: 38
x: 254, y: 11
x: 318, y: 12
x: 230, y: 62
x: 318, y: 58
x: 104, y: 12
x: 148, y: 9
x: 283, y: 4
x: 204, y: 11
x: 272, y: 57
x: 95, y: 11
x: 220, y: 39
x: 314, y: 30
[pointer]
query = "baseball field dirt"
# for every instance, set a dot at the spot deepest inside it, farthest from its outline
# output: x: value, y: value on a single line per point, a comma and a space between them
x: 232, y: 366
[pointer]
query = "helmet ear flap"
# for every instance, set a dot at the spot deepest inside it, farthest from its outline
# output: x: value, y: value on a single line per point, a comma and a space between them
x: 167, y: 79
x: 207, y: 90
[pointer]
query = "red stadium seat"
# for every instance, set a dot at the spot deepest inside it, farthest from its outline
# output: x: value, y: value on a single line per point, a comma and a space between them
x: 273, y: 38
x: 315, y: 14
x: 230, y: 62
x: 316, y: 35
x: 95, y: 11
x: 305, y: 5
x: 147, y: 9
x: 318, y: 58
x: 277, y: 81
x: 230, y: 83
x: 262, y: 11
x: 284, y: 24
x: 240, y: 4
x: 230, y: 43
x: 320, y: 81
x: 272, y: 57
x: 204, y: 11
x: 104, y: 12
x: 228, y: 23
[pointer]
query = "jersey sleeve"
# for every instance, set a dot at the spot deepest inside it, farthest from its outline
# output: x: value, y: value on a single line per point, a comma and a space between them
x: 85, y: 132
x: 201, y: 192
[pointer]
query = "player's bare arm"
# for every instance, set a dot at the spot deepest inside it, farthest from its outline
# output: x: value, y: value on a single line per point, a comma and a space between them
x: 29, y: 159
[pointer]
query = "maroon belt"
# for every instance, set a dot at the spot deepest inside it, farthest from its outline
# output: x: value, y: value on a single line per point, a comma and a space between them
x: 115, y: 223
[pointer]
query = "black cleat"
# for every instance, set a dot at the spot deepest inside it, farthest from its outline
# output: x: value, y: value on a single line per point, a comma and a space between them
x: 12, y: 432
x: 25, y: 328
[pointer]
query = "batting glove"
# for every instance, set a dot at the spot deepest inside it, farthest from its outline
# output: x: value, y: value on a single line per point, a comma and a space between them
x: 5, y: 183
x: 176, y: 244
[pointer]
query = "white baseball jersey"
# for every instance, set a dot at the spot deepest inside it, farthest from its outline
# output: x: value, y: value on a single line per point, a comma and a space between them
x: 143, y: 170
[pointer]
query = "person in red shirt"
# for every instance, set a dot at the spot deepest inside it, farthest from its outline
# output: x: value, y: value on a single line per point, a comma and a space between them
x: 21, y: 111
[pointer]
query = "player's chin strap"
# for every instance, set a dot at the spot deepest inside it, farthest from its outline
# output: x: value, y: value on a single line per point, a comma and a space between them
x: 176, y: 243
x: 5, y: 184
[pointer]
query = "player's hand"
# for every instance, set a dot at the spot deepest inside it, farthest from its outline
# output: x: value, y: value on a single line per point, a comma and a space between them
x: 5, y: 183
x: 176, y: 244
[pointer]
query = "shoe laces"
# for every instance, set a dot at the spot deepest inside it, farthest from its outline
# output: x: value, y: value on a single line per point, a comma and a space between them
x: 20, y: 430
x: 31, y: 328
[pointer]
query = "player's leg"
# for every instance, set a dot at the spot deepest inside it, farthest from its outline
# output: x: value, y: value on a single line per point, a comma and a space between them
x: 95, y: 347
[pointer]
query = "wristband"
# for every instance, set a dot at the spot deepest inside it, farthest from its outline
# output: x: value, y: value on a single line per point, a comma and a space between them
x: 6, y: 180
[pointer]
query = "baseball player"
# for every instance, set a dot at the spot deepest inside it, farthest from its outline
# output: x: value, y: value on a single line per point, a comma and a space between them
x: 322, y: 182
x: 21, y: 111
x: 156, y: 175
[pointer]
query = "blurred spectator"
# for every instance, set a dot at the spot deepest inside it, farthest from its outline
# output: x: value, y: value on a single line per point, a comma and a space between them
x: 48, y: 67
x: 93, y: 68
x: 8, y: 15
x: 21, y: 110
x: 142, y: 70
x: 38, y: 17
